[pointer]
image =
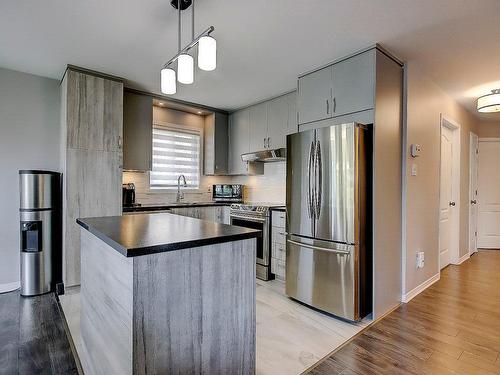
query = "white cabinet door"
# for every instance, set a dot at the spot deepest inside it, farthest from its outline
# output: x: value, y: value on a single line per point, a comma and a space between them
x: 238, y: 141
x: 489, y: 195
x: 277, y: 122
x: 314, y: 96
x: 353, y: 88
x: 258, y: 127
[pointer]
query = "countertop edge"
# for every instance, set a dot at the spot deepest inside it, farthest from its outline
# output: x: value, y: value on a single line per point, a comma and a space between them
x: 149, y: 250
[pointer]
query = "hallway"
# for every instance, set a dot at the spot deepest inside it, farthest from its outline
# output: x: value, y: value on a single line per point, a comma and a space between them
x: 451, y: 328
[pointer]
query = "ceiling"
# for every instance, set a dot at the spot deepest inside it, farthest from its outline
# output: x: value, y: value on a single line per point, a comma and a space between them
x: 262, y: 45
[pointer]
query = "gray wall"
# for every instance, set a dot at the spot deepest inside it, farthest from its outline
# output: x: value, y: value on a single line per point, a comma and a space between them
x: 29, y: 139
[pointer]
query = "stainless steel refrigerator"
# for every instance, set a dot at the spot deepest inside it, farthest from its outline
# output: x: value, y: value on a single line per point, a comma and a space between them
x: 328, y: 247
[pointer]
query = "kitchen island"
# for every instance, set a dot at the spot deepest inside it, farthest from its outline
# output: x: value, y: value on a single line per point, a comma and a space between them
x: 167, y: 294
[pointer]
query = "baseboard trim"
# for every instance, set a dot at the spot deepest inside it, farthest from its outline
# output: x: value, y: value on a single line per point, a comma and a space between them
x: 405, y: 298
x: 462, y: 259
x: 9, y: 287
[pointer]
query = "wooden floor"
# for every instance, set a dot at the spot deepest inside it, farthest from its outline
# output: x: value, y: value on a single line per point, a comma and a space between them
x: 32, y: 336
x: 451, y: 328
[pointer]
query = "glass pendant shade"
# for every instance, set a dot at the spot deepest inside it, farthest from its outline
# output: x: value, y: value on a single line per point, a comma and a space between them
x: 207, y: 53
x: 489, y: 103
x: 185, y: 69
x: 168, y: 84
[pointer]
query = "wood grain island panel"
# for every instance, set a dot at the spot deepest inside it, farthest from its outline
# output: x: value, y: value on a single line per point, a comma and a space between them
x: 187, y: 311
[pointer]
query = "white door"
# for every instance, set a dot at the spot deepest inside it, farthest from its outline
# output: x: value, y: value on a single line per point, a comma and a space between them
x: 489, y: 195
x: 473, y: 163
x: 446, y: 197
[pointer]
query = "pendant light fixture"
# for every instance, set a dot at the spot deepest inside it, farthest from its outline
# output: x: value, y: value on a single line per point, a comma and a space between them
x: 489, y: 103
x: 207, y: 54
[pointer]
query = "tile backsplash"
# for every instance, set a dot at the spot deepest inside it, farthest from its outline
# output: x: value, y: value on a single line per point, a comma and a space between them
x: 269, y: 187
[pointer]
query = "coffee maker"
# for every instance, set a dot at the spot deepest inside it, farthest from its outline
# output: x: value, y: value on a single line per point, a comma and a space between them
x: 128, y: 195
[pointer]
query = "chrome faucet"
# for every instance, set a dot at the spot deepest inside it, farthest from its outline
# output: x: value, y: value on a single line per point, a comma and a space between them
x: 180, y: 194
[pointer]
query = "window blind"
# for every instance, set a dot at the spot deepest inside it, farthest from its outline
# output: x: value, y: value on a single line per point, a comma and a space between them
x: 175, y: 152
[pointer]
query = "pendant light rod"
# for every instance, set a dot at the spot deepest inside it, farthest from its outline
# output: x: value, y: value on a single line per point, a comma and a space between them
x: 192, y: 20
x: 179, y: 27
x: 189, y: 46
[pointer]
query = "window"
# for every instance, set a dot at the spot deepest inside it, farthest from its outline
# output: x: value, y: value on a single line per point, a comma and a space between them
x: 175, y: 152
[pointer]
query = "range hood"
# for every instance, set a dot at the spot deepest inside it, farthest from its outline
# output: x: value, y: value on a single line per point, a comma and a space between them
x: 265, y: 156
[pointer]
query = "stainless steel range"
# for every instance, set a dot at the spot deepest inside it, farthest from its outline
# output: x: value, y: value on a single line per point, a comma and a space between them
x: 256, y: 216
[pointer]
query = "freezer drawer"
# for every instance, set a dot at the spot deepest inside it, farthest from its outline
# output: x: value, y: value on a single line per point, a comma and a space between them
x: 324, y: 275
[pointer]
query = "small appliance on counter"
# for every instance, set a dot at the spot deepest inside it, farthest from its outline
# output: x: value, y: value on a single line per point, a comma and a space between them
x: 128, y: 195
x: 40, y: 231
x: 227, y: 193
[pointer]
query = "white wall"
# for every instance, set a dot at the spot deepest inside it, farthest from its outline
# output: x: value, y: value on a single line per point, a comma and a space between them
x: 29, y: 139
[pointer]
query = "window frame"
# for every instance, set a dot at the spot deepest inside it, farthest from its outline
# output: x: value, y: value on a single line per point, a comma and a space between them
x: 180, y: 128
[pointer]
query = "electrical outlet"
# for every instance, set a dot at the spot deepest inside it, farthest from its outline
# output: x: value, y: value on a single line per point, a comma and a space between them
x: 420, y: 259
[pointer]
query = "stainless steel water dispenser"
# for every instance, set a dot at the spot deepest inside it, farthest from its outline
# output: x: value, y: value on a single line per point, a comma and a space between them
x: 40, y: 209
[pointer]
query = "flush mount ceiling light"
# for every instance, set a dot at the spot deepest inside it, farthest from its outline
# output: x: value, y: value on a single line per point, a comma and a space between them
x: 207, y: 54
x: 489, y: 103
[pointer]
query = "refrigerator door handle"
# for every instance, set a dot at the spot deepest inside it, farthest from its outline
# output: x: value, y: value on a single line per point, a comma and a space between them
x: 319, y: 179
x: 312, y: 247
x: 310, y: 176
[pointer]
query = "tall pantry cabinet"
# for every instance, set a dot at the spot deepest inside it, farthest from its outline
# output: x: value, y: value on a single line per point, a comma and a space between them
x: 91, y: 156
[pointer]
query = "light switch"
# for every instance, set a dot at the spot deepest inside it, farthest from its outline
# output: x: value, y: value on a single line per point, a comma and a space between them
x: 414, y: 169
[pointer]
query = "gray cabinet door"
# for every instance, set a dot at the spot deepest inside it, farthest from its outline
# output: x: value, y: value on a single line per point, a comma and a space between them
x: 95, y: 112
x: 314, y: 96
x: 238, y: 141
x: 215, y: 145
x: 354, y: 84
x: 137, y: 131
x: 258, y: 127
x: 292, y: 126
x: 277, y: 122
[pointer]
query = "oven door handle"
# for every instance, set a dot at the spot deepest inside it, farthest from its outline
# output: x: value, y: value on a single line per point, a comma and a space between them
x: 263, y: 220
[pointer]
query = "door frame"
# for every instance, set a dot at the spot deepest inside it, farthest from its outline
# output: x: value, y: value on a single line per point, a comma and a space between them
x: 455, y: 227
x: 473, y: 157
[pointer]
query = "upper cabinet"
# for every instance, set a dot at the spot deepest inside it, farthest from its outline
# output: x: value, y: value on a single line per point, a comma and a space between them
x: 137, y: 131
x: 239, y: 136
x: 215, y: 160
x: 277, y: 122
x: 95, y: 105
x: 315, y: 95
x: 339, y: 89
x: 292, y: 126
x: 258, y: 127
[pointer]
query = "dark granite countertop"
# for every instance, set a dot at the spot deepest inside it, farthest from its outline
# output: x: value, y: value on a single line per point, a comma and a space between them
x: 165, y: 206
x: 149, y: 233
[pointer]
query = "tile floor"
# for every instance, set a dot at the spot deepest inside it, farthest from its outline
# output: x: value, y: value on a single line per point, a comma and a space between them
x: 290, y: 337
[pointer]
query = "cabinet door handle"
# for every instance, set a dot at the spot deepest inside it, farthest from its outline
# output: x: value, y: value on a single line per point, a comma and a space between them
x: 268, y: 141
x: 327, y: 107
x: 334, y: 105
x: 264, y: 142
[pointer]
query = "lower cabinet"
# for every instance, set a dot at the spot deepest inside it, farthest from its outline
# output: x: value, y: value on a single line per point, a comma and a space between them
x: 219, y: 214
x: 278, y: 244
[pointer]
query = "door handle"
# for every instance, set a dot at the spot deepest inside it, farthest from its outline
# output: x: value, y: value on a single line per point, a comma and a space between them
x: 327, y: 107
x: 319, y: 177
x: 312, y: 247
x: 310, y: 209
x: 268, y: 142
x: 452, y: 204
x: 334, y: 105
x: 473, y: 202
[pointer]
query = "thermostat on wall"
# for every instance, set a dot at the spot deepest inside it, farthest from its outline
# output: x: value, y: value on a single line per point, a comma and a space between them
x: 415, y: 150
